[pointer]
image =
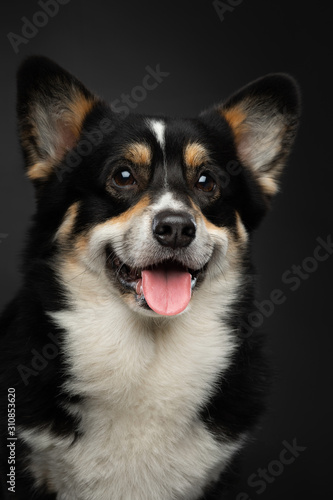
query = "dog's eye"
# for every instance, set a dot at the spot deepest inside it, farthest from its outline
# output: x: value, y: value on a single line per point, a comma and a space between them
x: 123, y: 179
x: 206, y: 183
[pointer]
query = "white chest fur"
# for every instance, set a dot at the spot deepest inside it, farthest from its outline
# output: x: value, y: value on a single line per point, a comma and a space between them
x: 144, y: 382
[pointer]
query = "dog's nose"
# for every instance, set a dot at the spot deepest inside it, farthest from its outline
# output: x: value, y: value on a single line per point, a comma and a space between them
x: 174, y: 229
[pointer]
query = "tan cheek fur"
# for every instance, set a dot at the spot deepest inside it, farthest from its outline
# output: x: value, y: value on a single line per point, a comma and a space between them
x: 74, y: 252
x: 237, y: 243
x: 67, y: 224
x: 134, y: 211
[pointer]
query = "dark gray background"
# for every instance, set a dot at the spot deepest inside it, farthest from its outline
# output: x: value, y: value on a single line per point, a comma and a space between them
x: 108, y: 46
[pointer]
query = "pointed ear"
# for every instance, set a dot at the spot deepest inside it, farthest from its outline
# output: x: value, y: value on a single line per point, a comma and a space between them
x: 263, y: 117
x: 52, y: 106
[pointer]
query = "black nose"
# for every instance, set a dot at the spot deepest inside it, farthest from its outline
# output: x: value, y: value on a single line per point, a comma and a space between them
x: 174, y: 229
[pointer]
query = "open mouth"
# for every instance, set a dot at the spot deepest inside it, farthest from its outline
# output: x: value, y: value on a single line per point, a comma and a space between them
x: 166, y: 287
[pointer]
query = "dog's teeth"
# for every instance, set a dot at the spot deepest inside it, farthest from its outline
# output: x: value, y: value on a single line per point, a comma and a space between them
x: 138, y: 289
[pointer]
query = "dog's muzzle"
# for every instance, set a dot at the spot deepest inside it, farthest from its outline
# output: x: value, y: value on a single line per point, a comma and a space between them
x: 166, y: 284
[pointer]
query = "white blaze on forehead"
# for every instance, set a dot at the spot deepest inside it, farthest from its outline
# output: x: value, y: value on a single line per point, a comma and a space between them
x: 158, y: 129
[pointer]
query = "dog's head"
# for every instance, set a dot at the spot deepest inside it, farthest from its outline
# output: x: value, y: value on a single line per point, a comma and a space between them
x: 154, y: 209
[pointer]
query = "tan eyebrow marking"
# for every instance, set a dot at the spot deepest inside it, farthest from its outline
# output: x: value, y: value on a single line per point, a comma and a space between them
x: 195, y: 154
x: 138, y: 153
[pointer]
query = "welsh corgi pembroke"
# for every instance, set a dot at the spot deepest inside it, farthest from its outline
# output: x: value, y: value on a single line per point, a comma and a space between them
x: 127, y: 368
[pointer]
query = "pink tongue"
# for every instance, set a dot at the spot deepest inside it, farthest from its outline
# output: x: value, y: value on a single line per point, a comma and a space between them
x: 167, y: 291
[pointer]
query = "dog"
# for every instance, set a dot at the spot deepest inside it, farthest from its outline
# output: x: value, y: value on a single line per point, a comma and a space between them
x: 129, y: 370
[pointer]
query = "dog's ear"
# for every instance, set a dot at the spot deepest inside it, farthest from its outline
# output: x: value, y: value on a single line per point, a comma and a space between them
x: 263, y: 117
x: 52, y: 106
